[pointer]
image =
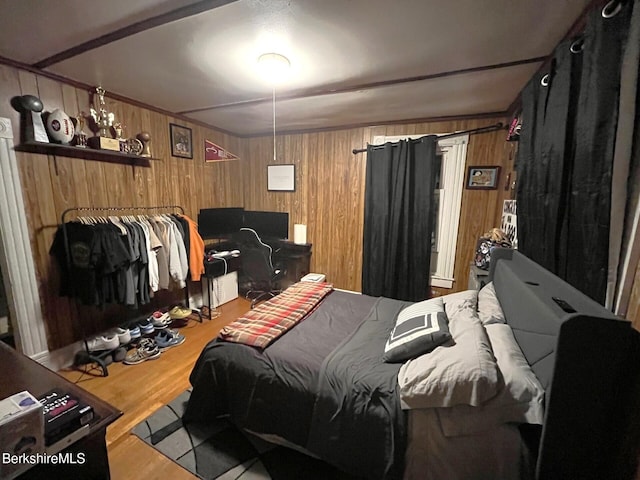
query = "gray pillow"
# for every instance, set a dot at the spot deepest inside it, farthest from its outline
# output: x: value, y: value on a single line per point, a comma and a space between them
x: 489, y: 308
x: 419, y: 328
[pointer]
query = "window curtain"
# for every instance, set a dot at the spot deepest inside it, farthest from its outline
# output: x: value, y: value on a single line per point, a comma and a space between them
x: 398, y: 218
x: 565, y: 156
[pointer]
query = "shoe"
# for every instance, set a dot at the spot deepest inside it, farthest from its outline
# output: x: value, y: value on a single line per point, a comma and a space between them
x: 124, y: 335
x: 147, y: 350
x: 146, y: 327
x: 103, y: 342
x: 119, y: 354
x: 160, y: 320
x: 168, y: 338
x: 179, y: 312
x: 135, y: 332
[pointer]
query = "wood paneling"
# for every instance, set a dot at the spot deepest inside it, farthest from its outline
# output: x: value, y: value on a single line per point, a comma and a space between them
x: 52, y: 184
x: 329, y: 196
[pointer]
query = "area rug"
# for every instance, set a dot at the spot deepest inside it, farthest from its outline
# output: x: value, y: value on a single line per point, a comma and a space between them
x: 220, y: 451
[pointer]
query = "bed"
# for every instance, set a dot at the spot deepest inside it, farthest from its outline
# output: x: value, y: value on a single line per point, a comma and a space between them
x: 532, y: 368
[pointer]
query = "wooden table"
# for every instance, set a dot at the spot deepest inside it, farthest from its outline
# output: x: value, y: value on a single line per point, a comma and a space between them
x: 19, y: 373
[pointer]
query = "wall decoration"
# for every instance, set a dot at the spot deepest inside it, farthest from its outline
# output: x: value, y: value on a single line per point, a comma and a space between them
x: 181, y: 141
x: 215, y: 153
x: 509, y: 223
x: 281, y: 178
x: 483, y: 177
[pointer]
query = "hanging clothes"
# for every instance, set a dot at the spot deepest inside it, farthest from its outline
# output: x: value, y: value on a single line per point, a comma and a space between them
x: 196, y: 250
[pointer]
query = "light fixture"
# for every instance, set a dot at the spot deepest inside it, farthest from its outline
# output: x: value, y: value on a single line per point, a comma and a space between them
x: 274, y: 67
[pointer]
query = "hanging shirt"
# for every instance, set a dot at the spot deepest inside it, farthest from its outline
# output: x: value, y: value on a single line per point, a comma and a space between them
x: 196, y: 250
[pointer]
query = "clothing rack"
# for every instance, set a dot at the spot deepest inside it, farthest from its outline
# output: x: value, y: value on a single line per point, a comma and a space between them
x: 63, y: 218
x: 487, y: 129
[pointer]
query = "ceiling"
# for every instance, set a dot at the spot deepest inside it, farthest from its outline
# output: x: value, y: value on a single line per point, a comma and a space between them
x: 353, y: 62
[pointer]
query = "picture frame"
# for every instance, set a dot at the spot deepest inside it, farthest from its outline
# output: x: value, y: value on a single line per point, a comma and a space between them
x: 181, y: 140
x: 483, y: 177
x: 281, y: 178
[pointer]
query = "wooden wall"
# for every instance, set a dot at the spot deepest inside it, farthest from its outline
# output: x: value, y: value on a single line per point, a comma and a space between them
x: 329, y: 196
x: 51, y: 185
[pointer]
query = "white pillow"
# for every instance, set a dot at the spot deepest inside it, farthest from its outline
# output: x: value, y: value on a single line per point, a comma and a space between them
x: 461, y: 373
x: 520, y: 401
x: 489, y: 309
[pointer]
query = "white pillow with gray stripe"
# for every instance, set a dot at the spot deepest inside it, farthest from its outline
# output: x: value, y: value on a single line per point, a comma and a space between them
x: 419, y: 328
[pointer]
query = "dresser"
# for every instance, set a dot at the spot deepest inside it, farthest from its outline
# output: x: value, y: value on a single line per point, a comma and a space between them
x: 20, y: 373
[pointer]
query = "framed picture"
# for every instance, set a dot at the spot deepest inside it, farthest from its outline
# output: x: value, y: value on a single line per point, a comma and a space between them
x: 281, y: 178
x: 483, y: 177
x: 181, y: 141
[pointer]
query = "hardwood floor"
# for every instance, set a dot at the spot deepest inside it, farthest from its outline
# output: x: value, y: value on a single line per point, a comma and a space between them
x: 139, y: 390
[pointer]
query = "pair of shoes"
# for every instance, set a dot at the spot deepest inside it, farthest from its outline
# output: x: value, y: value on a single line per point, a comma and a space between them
x: 103, y: 342
x: 168, y: 338
x: 135, y: 332
x: 146, y: 327
x: 147, y: 350
x: 124, y: 335
x: 160, y: 320
x: 179, y: 312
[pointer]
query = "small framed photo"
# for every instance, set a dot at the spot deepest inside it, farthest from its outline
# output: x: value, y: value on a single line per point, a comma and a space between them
x: 281, y: 178
x: 483, y: 177
x: 181, y: 141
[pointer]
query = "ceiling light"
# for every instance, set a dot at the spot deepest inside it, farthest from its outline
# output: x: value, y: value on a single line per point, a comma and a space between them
x: 274, y: 66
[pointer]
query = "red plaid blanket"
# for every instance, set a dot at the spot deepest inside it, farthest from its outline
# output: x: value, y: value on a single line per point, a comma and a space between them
x: 262, y: 325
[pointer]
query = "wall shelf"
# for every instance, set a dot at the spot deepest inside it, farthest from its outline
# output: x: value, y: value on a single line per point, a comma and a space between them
x: 84, y: 153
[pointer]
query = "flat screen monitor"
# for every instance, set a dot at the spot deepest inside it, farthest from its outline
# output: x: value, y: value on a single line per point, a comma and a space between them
x: 219, y: 222
x: 268, y: 224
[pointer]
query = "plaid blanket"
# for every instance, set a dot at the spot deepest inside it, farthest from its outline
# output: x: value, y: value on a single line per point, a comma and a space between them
x: 262, y: 325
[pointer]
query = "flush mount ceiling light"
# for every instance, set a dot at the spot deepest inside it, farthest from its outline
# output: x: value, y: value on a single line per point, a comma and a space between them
x: 274, y: 66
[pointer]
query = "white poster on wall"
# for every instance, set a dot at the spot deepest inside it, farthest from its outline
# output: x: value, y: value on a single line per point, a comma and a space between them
x: 509, y: 224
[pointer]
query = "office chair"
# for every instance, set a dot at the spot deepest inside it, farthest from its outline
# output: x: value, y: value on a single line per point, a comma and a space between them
x: 261, y: 277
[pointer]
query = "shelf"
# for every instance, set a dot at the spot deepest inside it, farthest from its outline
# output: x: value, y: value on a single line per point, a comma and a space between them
x: 84, y: 153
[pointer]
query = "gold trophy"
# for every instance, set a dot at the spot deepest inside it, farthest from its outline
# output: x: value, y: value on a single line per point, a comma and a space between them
x: 81, y: 135
x: 104, y: 121
x: 145, y: 138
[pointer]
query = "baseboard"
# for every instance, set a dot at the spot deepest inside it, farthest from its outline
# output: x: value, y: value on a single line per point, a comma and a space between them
x: 348, y: 291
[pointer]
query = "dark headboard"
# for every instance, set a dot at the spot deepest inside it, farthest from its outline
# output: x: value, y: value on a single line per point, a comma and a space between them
x: 588, y: 361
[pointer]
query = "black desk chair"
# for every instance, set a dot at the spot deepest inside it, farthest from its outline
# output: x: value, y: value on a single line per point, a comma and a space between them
x: 257, y: 267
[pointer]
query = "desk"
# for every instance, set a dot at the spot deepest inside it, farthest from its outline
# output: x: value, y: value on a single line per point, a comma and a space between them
x: 293, y: 258
x: 19, y: 373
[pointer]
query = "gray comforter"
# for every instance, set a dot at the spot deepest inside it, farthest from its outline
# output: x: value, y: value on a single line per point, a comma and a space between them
x: 322, y: 386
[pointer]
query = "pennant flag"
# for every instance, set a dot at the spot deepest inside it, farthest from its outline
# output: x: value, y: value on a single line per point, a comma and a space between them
x: 215, y: 153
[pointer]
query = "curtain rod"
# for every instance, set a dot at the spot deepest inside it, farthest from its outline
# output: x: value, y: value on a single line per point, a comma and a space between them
x: 487, y: 129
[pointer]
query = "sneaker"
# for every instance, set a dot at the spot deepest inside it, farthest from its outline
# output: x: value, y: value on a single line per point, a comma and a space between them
x: 179, y: 312
x: 135, y: 332
x: 103, y: 342
x: 160, y: 320
x: 168, y: 338
x: 146, y: 327
x: 147, y: 350
x: 124, y: 335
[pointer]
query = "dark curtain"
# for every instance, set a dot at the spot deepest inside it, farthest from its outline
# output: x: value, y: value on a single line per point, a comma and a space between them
x: 398, y: 219
x: 565, y: 156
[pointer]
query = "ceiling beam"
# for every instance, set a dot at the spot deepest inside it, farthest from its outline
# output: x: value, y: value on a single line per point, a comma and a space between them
x: 328, y: 90
x: 141, y: 26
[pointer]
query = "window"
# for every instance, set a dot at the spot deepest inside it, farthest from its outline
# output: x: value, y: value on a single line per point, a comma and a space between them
x: 450, y: 182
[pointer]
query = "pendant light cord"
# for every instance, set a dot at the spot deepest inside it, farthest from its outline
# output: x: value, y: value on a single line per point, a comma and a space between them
x: 274, y: 124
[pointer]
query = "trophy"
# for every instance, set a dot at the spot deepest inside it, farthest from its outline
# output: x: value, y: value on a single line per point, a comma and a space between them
x: 81, y: 135
x: 119, y: 129
x: 31, y: 124
x: 103, y: 120
x: 144, y: 138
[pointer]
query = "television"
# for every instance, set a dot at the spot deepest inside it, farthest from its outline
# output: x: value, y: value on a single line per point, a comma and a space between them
x: 274, y: 225
x: 219, y: 222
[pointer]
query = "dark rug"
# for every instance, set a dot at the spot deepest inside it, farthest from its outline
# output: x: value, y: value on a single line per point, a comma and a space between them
x: 221, y: 451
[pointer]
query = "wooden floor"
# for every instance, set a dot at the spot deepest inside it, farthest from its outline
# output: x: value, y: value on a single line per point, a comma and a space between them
x: 140, y: 390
